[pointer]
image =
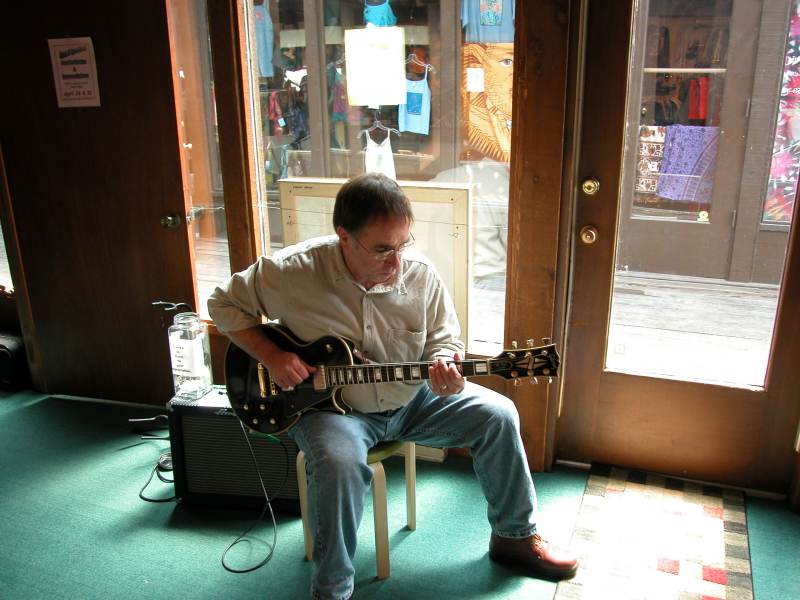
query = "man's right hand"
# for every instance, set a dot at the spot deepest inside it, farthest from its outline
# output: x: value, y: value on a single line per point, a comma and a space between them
x: 286, y: 369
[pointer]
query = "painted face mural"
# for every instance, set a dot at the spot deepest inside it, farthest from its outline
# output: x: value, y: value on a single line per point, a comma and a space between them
x: 488, y: 77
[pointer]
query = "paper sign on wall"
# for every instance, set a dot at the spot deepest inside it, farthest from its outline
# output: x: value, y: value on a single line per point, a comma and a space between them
x: 74, y: 72
x: 475, y: 79
x: 375, y: 64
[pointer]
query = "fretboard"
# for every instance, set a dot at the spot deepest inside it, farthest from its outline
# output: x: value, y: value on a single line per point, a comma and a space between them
x: 394, y: 372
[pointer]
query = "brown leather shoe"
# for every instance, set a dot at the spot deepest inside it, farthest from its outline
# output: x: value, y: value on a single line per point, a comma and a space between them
x: 536, y: 554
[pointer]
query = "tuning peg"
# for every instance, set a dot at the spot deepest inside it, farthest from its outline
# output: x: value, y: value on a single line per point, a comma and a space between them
x: 514, y: 344
x: 516, y: 381
x: 530, y: 343
x: 549, y: 380
x: 545, y: 341
x: 534, y: 380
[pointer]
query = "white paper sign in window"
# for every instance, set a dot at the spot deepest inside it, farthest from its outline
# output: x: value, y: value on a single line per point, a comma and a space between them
x: 375, y: 65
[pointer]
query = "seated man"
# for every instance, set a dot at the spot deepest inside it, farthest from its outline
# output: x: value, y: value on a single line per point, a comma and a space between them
x: 367, y: 284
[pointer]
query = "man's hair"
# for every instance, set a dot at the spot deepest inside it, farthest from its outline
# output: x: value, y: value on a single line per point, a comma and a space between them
x: 368, y: 197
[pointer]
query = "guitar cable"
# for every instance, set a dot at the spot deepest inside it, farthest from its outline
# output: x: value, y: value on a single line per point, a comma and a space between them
x: 267, y: 506
x: 164, y: 462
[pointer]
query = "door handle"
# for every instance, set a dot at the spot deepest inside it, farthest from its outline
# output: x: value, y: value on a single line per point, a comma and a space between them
x: 171, y: 221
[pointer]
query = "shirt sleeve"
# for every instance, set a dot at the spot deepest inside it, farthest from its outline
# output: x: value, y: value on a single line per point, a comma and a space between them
x: 444, y: 330
x: 242, y: 301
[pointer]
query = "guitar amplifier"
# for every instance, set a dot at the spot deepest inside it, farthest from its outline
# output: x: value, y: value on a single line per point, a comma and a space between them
x: 212, y: 463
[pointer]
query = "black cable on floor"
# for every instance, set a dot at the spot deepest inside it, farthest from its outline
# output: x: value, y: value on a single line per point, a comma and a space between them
x: 267, y: 506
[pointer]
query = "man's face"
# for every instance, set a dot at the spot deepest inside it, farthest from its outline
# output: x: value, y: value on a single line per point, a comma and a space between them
x: 362, y: 250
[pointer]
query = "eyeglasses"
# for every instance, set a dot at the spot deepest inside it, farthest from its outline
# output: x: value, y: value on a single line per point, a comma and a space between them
x: 387, y: 254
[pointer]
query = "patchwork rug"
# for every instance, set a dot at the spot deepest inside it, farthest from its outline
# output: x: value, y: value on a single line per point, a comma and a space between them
x: 644, y: 536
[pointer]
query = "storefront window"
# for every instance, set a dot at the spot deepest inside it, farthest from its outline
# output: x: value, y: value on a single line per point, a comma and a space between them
x: 401, y: 87
x: 683, y: 78
x: 783, y: 174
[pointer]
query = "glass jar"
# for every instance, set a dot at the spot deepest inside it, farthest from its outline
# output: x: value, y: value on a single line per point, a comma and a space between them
x: 190, y: 353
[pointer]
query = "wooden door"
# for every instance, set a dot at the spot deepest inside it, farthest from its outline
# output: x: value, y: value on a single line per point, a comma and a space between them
x: 677, y: 421
x: 87, y: 189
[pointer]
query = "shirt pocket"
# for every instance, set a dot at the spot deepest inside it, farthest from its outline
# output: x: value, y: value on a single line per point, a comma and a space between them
x: 406, y: 345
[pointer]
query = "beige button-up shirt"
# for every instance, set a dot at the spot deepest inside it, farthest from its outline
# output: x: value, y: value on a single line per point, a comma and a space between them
x: 309, y: 289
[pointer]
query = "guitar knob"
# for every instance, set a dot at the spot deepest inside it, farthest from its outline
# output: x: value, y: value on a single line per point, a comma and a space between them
x: 545, y: 371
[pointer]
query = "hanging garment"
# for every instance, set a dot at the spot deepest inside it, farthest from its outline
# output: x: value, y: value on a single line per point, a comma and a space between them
x: 415, y: 114
x: 378, y: 157
x: 275, y: 114
x: 337, y: 94
x: 380, y: 15
x: 698, y: 98
x: 488, y: 21
x: 690, y: 158
x: 264, y: 38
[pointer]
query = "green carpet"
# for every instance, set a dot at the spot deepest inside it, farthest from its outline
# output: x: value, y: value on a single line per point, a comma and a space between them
x: 774, y: 549
x: 73, y: 525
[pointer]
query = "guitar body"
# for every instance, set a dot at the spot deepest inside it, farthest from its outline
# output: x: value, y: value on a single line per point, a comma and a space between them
x: 266, y: 408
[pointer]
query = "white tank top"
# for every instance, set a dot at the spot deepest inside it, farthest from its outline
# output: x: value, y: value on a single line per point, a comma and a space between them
x: 378, y: 157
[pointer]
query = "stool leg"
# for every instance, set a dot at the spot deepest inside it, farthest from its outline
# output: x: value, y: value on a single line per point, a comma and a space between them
x: 379, y: 509
x: 302, y: 487
x: 411, y: 485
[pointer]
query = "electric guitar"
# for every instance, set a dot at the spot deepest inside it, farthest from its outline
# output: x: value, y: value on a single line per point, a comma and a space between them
x: 264, y: 407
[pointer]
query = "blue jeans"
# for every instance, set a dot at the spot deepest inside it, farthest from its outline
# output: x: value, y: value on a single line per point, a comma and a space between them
x: 338, y: 476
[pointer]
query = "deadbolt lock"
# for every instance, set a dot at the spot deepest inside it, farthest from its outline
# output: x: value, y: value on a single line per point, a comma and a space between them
x: 590, y: 186
x: 588, y: 234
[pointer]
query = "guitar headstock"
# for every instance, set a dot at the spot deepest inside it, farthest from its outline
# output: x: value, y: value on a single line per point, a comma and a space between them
x: 529, y: 362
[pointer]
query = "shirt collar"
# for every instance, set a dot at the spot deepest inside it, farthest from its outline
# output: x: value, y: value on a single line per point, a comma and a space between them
x: 342, y: 273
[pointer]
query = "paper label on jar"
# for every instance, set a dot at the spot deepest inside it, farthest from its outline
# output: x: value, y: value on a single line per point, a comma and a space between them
x: 187, y: 357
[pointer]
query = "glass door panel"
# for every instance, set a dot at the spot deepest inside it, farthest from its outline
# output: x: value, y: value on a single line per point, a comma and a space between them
x: 200, y: 159
x: 703, y: 221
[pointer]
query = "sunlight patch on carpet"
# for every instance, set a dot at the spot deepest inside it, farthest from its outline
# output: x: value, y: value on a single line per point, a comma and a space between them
x: 640, y: 535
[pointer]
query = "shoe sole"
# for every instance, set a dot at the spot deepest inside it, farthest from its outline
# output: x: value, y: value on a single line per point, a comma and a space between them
x: 539, y: 571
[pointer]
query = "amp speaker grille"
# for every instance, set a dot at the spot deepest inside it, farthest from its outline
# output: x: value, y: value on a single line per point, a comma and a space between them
x: 218, y: 461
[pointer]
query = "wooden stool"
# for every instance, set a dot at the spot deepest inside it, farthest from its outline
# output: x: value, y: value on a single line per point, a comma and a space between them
x: 379, y: 500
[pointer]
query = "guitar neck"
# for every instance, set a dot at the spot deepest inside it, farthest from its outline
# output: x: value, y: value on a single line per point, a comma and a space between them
x: 395, y: 372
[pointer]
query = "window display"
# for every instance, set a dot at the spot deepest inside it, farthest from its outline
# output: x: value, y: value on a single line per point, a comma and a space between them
x: 682, y: 82
x: 384, y: 85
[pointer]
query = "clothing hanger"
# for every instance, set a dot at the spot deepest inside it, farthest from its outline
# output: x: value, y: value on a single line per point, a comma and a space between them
x: 376, y: 124
x: 412, y: 58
